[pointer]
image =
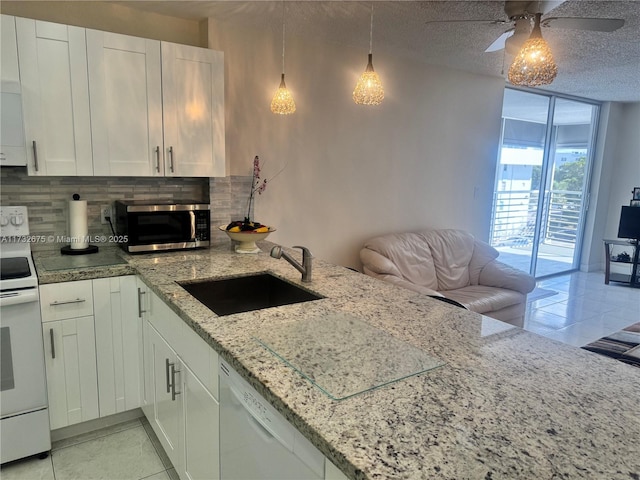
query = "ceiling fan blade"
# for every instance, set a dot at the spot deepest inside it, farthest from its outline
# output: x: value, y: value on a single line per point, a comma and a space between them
x: 512, y: 39
x: 576, y: 23
x: 499, y: 43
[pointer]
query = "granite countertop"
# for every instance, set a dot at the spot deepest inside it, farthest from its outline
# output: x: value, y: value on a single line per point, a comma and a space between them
x: 53, y: 267
x: 506, y: 403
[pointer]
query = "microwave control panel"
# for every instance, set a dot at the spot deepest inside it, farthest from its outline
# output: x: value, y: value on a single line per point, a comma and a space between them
x: 202, y: 225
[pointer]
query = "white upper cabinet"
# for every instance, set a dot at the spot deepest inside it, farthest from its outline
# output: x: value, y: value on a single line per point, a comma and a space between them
x: 193, y: 111
x: 55, y: 95
x: 8, y: 49
x: 126, y: 104
x: 12, y: 142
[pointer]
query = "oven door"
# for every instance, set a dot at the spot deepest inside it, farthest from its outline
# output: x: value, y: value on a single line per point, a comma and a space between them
x: 22, y: 373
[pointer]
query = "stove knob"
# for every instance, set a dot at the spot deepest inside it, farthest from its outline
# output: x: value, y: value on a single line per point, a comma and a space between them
x: 4, y: 221
x: 17, y: 220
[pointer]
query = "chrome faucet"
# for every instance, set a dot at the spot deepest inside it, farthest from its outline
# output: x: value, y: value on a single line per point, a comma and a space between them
x: 304, y: 268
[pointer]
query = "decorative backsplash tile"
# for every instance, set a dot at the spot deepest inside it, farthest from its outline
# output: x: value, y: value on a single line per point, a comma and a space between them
x: 47, y: 198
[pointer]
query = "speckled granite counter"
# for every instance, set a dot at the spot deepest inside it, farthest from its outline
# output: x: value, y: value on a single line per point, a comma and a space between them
x: 54, y: 267
x: 508, y: 404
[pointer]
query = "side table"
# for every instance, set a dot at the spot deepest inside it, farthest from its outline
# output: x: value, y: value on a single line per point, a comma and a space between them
x: 611, y: 249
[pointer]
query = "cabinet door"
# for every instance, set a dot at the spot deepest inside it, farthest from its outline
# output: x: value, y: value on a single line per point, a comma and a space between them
x: 145, y: 365
x: 8, y: 49
x: 167, y: 419
x: 118, y: 334
x: 193, y: 110
x: 55, y: 95
x: 126, y: 104
x: 201, y: 430
x: 70, y: 361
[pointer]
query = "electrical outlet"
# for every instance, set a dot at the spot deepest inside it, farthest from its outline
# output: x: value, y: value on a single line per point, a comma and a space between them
x: 105, y: 211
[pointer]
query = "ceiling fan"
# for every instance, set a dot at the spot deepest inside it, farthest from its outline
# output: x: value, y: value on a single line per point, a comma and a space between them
x: 520, y: 14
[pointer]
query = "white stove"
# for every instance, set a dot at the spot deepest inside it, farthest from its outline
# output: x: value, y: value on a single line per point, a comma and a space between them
x: 24, y: 426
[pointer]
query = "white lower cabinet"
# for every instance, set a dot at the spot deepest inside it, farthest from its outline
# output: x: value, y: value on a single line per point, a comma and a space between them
x: 167, y: 411
x: 70, y: 361
x: 92, y: 337
x: 118, y: 329
x: 182, y: 399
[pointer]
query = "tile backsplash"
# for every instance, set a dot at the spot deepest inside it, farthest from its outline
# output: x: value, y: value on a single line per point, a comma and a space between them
x: 47, y: 198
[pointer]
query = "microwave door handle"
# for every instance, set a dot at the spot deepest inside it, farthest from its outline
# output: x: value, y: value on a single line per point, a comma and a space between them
x: 192, y: 218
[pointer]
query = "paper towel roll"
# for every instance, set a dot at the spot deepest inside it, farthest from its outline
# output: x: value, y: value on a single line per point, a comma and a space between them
x: 78, y: 230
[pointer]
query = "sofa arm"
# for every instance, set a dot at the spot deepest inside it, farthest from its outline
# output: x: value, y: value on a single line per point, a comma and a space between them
x: 378, y: 264
x: 501, y: 275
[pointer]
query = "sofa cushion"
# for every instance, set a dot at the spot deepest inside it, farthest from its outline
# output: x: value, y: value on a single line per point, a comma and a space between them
x: 410, y: 255
x: 483, y: 253
x: 483, y: 299
x: 451, y: 251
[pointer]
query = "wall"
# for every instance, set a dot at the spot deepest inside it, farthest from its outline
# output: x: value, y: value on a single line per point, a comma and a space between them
x: 616, y: 172
x: 626, y: 165
x: 424, y: 158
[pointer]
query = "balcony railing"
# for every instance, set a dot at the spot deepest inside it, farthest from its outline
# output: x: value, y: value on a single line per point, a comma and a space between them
x: 514, y: 217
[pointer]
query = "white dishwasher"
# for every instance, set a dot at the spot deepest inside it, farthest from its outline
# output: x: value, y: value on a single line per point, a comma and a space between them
x: 256, y: 441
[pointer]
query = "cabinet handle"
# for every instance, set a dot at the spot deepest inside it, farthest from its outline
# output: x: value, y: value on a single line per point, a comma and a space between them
x: 140, y: 310
x: 166, y: 371
x: 171, y: 159
x: 158, y: 159
x: 53, y: 344
x: 173, y: 382
x: 77, y: 300
x: 35, y: 155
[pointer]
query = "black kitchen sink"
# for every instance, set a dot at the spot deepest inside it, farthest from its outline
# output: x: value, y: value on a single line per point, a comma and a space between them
x: 243, y: 294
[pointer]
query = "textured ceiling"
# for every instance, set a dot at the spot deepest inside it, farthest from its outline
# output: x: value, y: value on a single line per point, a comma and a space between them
x: 596, y: 65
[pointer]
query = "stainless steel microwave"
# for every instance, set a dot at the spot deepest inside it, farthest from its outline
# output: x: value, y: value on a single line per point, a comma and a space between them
x: 151, y: 226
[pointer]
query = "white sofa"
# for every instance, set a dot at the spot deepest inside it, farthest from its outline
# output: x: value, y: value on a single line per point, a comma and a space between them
x: 453, y: 264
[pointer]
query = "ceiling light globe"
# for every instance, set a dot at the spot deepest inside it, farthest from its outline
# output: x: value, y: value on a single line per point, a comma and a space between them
x: 282, y: 102
x: 534, y: 64
x: 369, y: 90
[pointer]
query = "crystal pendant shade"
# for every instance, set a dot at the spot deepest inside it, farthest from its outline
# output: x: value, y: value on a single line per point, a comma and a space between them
x: 282, y: 102
x: 534, y: 64
x: 369, y: 89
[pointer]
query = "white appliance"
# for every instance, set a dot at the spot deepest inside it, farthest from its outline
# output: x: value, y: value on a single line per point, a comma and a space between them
x: 256, y: 441
x: 13, y: 150
x: 24, y: 421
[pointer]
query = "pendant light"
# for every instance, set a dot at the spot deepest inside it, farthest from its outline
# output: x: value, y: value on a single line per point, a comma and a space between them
x: 534, y: 64
x: 369, y: 89
x: 282, y: 102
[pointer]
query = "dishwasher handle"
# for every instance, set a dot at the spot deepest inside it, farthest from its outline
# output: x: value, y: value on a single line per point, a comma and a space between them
x: 245, y: 401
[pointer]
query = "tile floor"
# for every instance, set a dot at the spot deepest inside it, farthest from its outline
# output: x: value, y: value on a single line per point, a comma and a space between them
x: 582, y: 310
x: 127, y: 451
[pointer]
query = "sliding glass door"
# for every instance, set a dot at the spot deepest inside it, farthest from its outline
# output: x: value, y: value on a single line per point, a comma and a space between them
x: 542, y: 178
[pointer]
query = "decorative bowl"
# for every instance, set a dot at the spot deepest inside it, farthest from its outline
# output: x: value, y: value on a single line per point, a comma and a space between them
x: 246, y: 240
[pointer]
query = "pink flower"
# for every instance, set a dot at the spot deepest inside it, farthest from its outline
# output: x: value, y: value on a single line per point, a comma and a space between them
x: 256, y: 168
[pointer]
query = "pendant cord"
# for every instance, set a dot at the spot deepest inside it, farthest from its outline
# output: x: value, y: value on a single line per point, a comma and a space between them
x: 371, y: 31
x: 283, y: 33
